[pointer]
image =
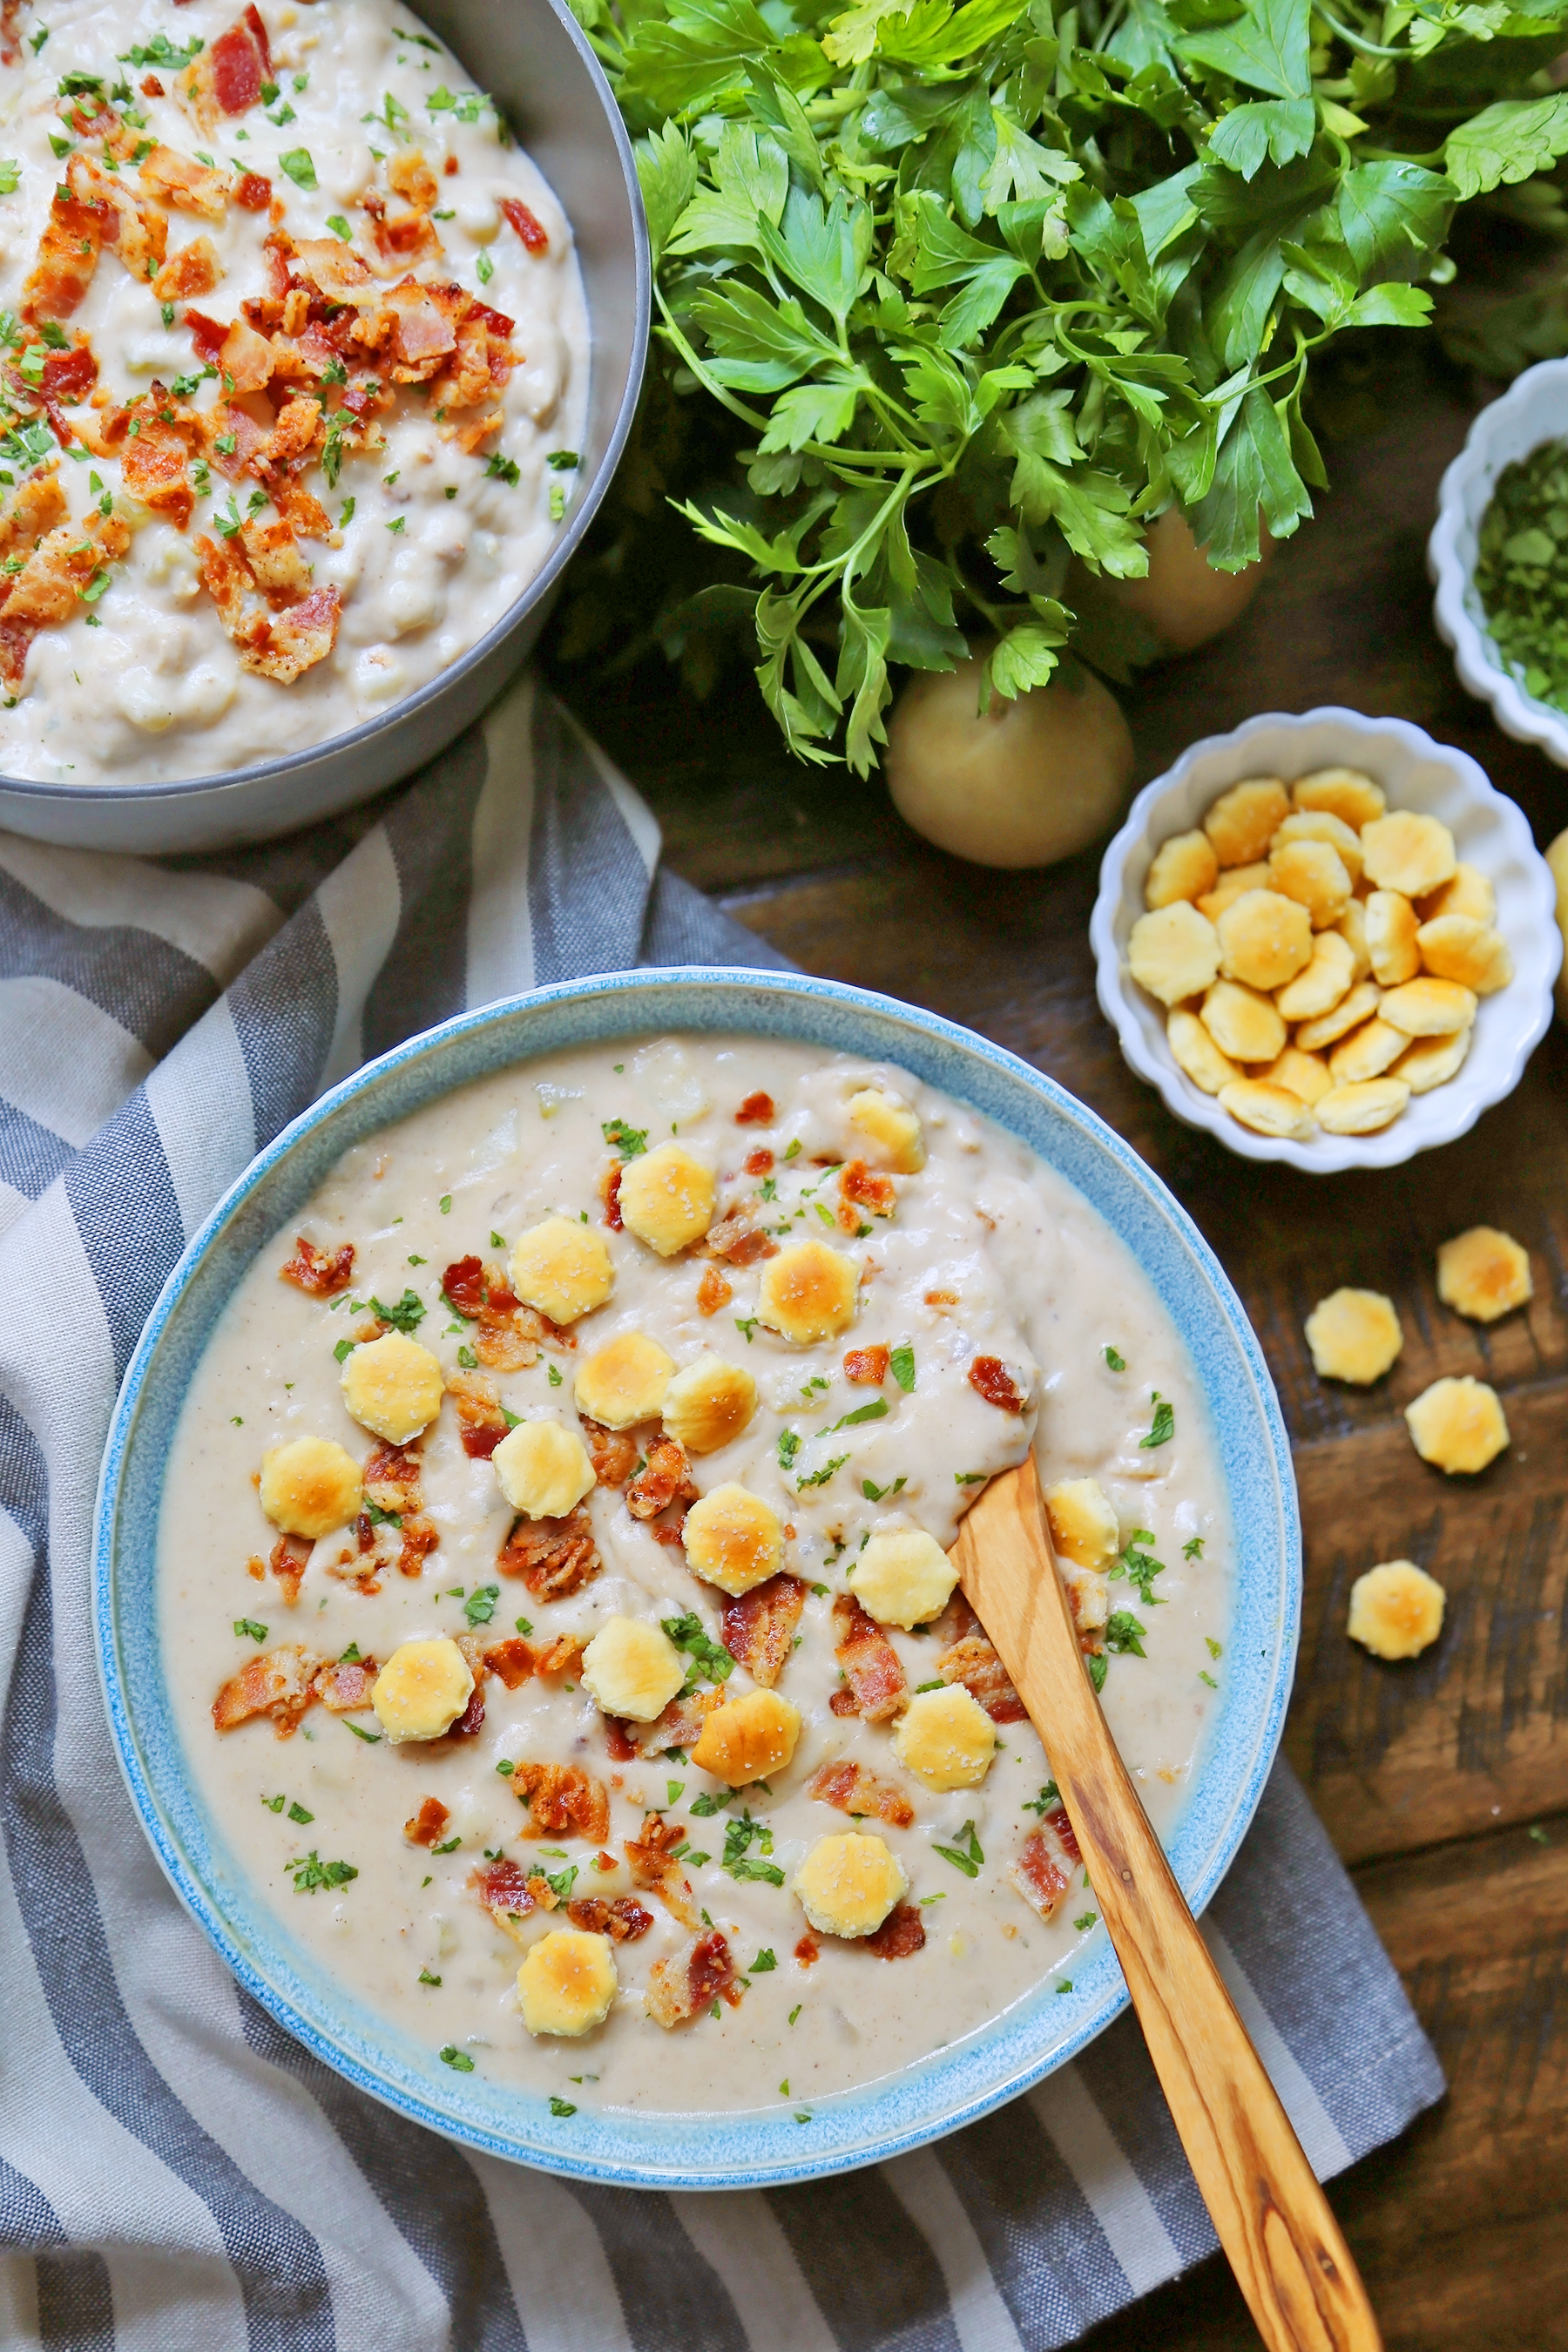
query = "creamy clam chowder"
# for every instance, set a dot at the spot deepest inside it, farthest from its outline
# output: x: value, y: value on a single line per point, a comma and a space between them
x: 293, y: 376
x: 552, y: 1577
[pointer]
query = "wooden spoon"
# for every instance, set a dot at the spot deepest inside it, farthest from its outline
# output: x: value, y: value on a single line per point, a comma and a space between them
x: 1274, y: 2221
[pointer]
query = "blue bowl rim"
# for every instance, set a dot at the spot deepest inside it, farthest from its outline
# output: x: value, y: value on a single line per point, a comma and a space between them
x: 549, y: 2157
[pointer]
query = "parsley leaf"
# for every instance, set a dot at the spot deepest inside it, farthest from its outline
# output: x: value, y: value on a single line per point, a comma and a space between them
x: 969, y: 1857
x: 1117, y: 1361
x: 629, y: 1141
x: 902, y: 1364
x: 1164, y: 1427
x: 406, y: 1316
x: 313, y: 1872
x: 689, y: 1634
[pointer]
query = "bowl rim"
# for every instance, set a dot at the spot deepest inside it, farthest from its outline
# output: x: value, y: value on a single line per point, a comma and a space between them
x: 1476, y: 662
x: 1326, y: 1155
x: 538, y: 590
x: 1104, y: 1994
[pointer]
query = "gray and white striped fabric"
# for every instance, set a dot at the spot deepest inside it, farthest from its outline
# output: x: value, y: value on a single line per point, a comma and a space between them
x: 176, y: 2175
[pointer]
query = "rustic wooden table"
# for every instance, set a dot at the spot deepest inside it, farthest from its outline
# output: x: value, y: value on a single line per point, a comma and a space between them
x: 1444, y: 1782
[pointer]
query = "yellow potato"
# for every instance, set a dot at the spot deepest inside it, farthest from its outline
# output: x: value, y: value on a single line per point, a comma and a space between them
x: 1484, y: 1274
x: 709, y: 1403
x: 1306, y: 1075
x: 667, y: 1198
x: 1242, y: 821
x: 1353, y: 798
x: 1194, y: 1051
x: 1347, y: 1014
x: 393, y: 1387
x: 422, y: 1690
x: 1367, y: 1053
x: 1406, y: 851
x: 1455, y: 947
x: 1182, y: 867
x: 1391, y: 927
x: 1265, y: 940
x: 1469, y: 892
x: 1174, y: 953
x: 1321, y: 825
x: 1362, y: 1109
x: 562, y: 1269
x: 1267, y: 1109
x: 808, y: 1292
x: 309, y: 1486
x: 904, y: 1578
x: 1429, y: 1008
x: 1083, y: 1525
x: 1325, y: 981
x: 1457, y: 1426
x: 733, y: 1539
x: 1354, y: 1335
x: 945, y: 1739
x: 624, y: 1382
x: 542, y: 1469
x: 1431, y: 1061
x: 1243, y: 1023
x: 891, y: 1129
x: 632, y: 1668
x: 1351, y: 927
x: 748, y: 1739
x: 567, y: 1984
x: 1313, y: 874
x: 847, y: 1885
x: 1396, y: 1610
x: 1230, y: 886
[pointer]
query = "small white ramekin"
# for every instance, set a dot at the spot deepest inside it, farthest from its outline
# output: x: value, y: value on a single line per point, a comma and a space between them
x: 1491, y: 834
x: 1534, y: 409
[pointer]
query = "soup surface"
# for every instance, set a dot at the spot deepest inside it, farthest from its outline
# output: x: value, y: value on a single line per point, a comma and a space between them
x: 296, y: 375
x: 982, y: 1306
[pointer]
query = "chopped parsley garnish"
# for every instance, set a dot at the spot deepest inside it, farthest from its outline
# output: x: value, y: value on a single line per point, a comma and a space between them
x: 347, y: 515
x: 789, y: 1447
x: 298, y: 163
x: 506, y: 469
x: 273, y: 1804
x: 445, y: 1205
x: 344, y: 1347
x: 876, y: 1411
x: 159, y: 51
x: 450, y: 1846
x: 763, y: 1963
x: 970, y: 1478
x: 1089, y: 1920
x: 902, y: 1364
x: 560, y: 1881
x: 458, y: 2060
x: 1115, y: 1359
x: 497, y: 1240
x: 1124, y: 1634
x: 747, y: 1324
x: 740, y: 1862
x: 1098, y: 1666
x: 481, y: 1605
x: 875, y: 1494
x: 1215, y: 1649
x: 1049, y: 1795
x: 552, y: 1376
x: 629, y: 1141
x: 351, y: 1656
x: 689, y: 1634
x: 820, y: 1477
x: 297, y: 1814
x: 563, y: 461
x: 561, y: 2106
x: 370, y: 1739
x: 248, y: 1625
x: 969, y: 1858
x: 313, y: 1872
x: 1164, y: 1424
x: 408, y: 1313
x: 426, y: 1978
x: 339, y: 227
x: 558, y: 510
x: 672, y: 1789
x: 1193, y: 1548
x: 1066, y: 1985
x: 401, y: 523
x: 937, y: 1685
x: 1140, y: 1569
x: 706, y: 1804
x: 525, y: 1626
x: 1205, y: 1677
x: 379, y: 1518
x: 484, y: 268
x: 28, y: 444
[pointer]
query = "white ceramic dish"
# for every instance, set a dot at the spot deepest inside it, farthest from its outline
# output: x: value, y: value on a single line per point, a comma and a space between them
x: 1417, y: 773
x: 1534, y: 409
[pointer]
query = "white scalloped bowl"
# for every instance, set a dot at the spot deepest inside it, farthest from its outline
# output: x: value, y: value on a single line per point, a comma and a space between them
x: 1491, y: 835
x: 1534, y: 409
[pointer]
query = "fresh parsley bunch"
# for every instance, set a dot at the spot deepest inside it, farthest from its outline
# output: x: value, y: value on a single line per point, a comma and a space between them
x: 985, y: 285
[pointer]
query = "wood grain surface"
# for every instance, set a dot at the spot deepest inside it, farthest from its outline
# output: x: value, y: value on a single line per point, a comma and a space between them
x: 1443, y: 1781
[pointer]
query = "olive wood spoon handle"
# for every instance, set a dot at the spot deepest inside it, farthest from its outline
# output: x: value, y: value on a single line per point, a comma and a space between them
x: 1274, y: 2223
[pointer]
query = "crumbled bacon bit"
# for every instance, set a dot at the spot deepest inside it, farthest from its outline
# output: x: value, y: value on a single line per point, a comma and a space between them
x: 553, y: 1557
x: 874, y: 1682
x: 343, y: 1685
x: 942, y: 1298
x: 737, y: 1239
x: 622, y: 1748
x: 290, y: 1557
x: 189, y: 187
x: 759, y: 1164
x: 852, y: 1789
x: 867, y: 1368
x: 611, y: 1190
x: 757, y: 1110
x: 49, y: 585
x: 481, y: 1422
x: 654, y: 1867
x: 321, y: 1273
x: 253, y: 192
x: 427, y: 1823
x: 463, y: 1285
x: 612, y: 1452
x: 972, y: 1661
x: 862, y: 1188
x: 623, y: 1918
x: 509, y: 1893
x: 681, y: 1724
x: 73, y: 237
x: 280, y: 1683
x: 276, y: 645
x: 808, y: 1950
x: 194, y: 269
x: 689, y: 1982
x: 512, y: 1660
x: 665, y: 1479
x: 990, y: 1378
x: 1043, y: 1870
x: 758, y: 1628
x: 562, y: 1799
x: 420, y: 1537
x: 712, y: 1292
x: 527, y: 226
x: 240, y: 64
x: 151, y: 87
x: 901, y: 1933
x: 472, y: 1718
x: 393, y: 1477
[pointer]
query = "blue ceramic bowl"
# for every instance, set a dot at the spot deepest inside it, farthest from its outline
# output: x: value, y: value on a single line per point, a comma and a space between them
x: 966, y: 2080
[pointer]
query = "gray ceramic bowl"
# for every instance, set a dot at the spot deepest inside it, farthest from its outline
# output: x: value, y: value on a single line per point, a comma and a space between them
x: 760, y: 2148
x: 533, y: 56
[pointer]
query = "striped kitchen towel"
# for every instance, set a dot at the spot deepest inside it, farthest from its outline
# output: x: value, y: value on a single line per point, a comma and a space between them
x: 176, y: 2175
